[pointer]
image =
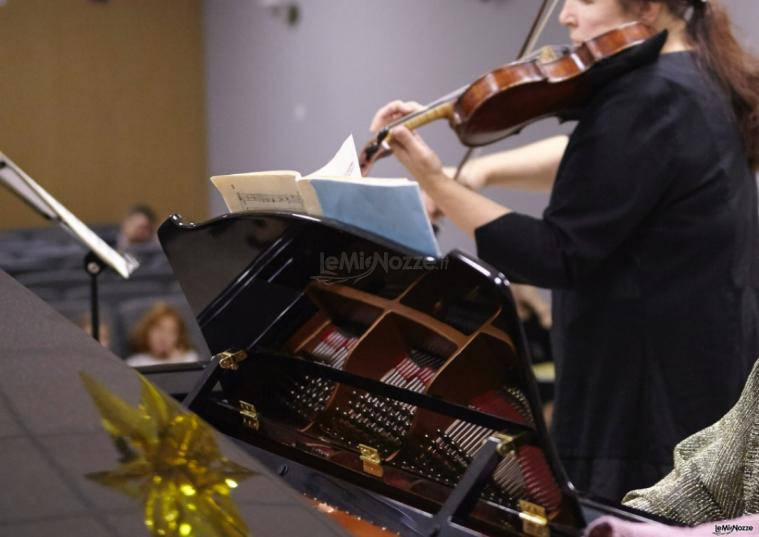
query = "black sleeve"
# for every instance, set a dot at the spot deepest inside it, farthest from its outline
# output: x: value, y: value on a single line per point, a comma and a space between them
x: 616, y: 169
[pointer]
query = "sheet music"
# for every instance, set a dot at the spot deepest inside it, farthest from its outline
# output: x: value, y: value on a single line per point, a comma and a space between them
x: 391, y: 208
x: 36, y: 196
x: 343, y: 164
x: 249, y: 201
x: 261, y: 191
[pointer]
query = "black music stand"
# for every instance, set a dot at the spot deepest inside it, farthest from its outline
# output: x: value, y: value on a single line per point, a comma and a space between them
x: 99, y: 254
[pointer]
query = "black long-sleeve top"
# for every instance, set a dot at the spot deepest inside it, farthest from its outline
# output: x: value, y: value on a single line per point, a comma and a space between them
x: 649, y: 244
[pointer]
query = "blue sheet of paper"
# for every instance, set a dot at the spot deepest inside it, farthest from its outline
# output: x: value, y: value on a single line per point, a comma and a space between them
x: 393, y: 211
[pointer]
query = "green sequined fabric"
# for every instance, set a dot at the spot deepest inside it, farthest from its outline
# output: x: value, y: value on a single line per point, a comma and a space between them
x: 716, y: 471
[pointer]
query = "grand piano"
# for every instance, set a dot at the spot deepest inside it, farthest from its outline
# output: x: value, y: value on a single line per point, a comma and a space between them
x: 393, y: 387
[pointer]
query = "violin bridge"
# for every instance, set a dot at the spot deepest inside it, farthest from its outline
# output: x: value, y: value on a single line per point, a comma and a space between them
x: 548, y: 54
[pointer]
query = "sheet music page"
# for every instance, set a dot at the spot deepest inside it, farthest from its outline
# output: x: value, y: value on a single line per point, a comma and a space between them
x: 343, y: 165
x: 260, y: 191
x: 279, y: 190
x: 391, y: 208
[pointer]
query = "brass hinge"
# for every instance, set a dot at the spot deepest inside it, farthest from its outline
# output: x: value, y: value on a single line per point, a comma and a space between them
x: 534, y: 520
x: 506, y: 443
x: 249, y: 415
x: 230, y: 359
x: 372, y: 460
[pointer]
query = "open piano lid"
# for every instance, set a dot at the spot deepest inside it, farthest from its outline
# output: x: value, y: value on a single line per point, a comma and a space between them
x: 67, y: 442
x: 371, y: 364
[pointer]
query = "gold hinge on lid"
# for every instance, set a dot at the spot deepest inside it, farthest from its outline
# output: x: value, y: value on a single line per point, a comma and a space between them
x: 533, y: 516
x: 506, y: 443
x: 372, y: 460
x: 230, y: 358
x: 534, y: 520
x: 249, y: 415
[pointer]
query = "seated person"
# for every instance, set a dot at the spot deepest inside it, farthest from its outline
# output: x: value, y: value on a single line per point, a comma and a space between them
x: 716, y: 470
x: 137, y: 229
x: 160, y: 337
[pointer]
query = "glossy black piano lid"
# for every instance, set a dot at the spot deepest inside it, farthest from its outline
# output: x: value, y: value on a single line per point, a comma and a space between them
x: 52, y: 437
x: 278, y: 254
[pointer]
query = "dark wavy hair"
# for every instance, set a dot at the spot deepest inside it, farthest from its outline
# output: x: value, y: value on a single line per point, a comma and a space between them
x: 710, y: 32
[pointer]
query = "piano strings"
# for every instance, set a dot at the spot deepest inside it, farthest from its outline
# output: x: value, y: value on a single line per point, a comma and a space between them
x: 385, y: 423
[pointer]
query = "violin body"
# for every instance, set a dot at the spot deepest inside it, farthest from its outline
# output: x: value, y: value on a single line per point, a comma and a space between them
x: 553, y: 82
x: 505, y: 100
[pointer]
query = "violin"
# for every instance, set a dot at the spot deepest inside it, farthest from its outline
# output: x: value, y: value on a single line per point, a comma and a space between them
x: 553, y: 81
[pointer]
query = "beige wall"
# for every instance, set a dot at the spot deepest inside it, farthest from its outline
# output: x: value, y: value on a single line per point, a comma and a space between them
x: 103, y: 104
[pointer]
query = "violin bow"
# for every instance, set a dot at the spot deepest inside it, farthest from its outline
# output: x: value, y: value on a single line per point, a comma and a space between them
x: 538, y: 25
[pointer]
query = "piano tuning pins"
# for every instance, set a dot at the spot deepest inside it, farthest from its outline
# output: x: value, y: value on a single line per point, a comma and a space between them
x: 440, y: 457
x: 370, y: 420
x: 383, y: 423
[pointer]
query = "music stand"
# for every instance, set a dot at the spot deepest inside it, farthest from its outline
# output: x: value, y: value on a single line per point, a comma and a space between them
x: 99, y: 254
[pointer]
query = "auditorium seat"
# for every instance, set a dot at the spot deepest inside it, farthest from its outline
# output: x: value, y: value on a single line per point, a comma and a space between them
x: 50, y: 262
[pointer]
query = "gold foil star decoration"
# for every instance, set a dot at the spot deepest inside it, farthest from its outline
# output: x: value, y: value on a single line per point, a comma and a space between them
x: 171, y: 463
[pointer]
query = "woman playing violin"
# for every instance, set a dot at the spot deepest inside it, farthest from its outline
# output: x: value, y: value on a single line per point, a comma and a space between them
x: 649, y: 242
